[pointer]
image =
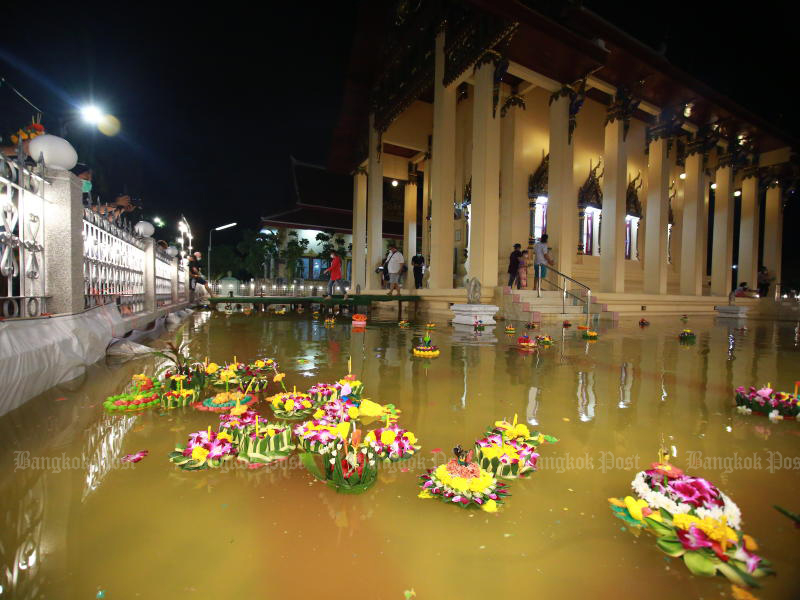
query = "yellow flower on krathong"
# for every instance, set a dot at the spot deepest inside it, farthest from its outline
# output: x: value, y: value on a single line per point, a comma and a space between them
x: 342, y: 429
x: 369, y: 438
x: 239, y: 409
x: 369, y: 408
x: 199, y: 453
x: 212, y: 368
x: 412, y: 439
x: 288, y: 405
x: 260, y: 364
x: 226, y: 375
x: 271, y: 432
x: 278, y: 377
x: 387, y: 437
x: 489, y: 506
x: 224, y: 435
x: 749, y: 543
x: 319, y: 413
x: 635, y: 507
x: 353, y: 412
x: 140, y: 377
x: 178, y: 377
x: 424, y: 494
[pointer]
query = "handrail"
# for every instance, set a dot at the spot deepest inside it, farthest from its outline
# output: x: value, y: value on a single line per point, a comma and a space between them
x: 586, y: 301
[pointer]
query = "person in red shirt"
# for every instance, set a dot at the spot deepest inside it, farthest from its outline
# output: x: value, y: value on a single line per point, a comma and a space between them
x: 335, y: 271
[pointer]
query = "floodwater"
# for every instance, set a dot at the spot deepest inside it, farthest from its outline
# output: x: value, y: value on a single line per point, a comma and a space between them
x: 86, y: 525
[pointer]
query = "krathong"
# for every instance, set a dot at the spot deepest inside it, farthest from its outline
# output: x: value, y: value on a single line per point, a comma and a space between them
x: 319, y: 436
x: 324, y: 392
x: 225, y: 401
x: 692, y: 519
x: 403, y: 324
x: 478, y: 325
x: 766, y: 401
x: 531, y: 325
x: 330, y: 321
x: 204, y: 450
x: 544, y: 340
x: 142, y: 393
x: 590, y: 335
x: 430, y: 325
x: 349, y: 465
x: 291, y: 405
x: 526, y: 342
x: 338, y: 410
x: 264, y: 442
x: 351, y: 386
x: 509, y: 449
x: 392, y: 443
x: 426, y: 349
x: 510, y: 329
x: 686, y: 336
x: 643, y: 322
x: 566, y: 324
x: 360, y: 319
x: 583, y: 327
x: 464, y: 483
x: 176, y: 398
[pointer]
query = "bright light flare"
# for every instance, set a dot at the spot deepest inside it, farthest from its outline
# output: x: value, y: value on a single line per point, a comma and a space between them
x: 92, y: 114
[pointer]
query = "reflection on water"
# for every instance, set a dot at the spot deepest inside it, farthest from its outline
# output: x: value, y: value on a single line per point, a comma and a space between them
x: 75, y: 520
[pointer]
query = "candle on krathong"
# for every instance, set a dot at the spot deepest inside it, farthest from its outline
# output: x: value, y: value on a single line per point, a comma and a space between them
x: 349, y: 365
x: 209, y: 432
x: 256, y: 425
x: 796, y: 384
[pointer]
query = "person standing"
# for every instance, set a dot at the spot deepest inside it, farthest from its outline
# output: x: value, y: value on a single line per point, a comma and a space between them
x: 394, y: 267
x: 513, y: 266
x: 335, y: 271
x: 763, y: 281
x: 418, y: 263
x: 523, y: 270
x: 541, y: 260
x: 195, y: 275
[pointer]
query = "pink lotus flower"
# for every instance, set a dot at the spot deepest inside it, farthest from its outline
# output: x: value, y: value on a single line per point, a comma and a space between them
x: 694, y: 538
x: 695, y: 491
x: 135, y: 457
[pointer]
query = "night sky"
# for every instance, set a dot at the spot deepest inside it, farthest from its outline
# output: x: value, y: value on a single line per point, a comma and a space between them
x: 213, y: 102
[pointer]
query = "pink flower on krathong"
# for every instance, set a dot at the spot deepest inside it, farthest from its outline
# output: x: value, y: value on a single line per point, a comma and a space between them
x: 695, y: 491
x: 693, y: 538
x: 749, y: 558
x: 135, y: 457
x: 219, y: 448
x: 765, y: 392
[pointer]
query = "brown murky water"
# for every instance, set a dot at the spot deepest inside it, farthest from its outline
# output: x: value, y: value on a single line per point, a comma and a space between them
x: 87, y: 524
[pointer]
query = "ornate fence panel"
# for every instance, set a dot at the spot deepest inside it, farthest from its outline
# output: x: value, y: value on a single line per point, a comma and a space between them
x: 164, y: 274
x: 22, y: 269
x: 182, y: 292
x: 113, y: 265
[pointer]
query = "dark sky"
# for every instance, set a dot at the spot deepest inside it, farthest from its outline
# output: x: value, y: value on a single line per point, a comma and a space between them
x: 213, y: 101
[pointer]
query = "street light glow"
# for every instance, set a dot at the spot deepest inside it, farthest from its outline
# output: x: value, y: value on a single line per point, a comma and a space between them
x: 221, y: 227
x: 92, y: 114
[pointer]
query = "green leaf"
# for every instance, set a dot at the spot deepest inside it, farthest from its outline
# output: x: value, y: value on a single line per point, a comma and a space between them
x: 700, y: 563
x: 670, y: 548
x: 658, y: 528
x: 311, y: 466
x: 736, y: 575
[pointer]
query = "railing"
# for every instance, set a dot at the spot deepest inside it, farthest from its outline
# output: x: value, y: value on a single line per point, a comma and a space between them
x: 182, y: 292
x: 164, y: 274
x: 562, y: 282
x: 113, y: 265
x: 263, y: 287
x: 22, y: 268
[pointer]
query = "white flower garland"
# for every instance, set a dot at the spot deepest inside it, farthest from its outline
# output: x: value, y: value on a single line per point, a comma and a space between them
x: 656, y: 500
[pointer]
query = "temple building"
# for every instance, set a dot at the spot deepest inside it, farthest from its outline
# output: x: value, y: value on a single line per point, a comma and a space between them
x: 505, y: 120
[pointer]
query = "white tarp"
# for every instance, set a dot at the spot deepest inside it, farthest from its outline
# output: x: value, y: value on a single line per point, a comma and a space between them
x: 37, y: 354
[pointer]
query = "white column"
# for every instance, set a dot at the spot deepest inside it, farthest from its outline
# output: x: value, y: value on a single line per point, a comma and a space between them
x: 562, y: 201
x: 773, y: 233
x: 425, y: 221
x: 722, y: 251
x: 375, y: 253
x: 484, y: 212
x: 612, y: 242
x: 175, y: 264
x: 359, y: 251
x: 657, y: 218
x: 747, y: 269
x: 514, y: 203
x: 694, y: 230
x: 410, y: 229
x: 442, y: 175
x: 149, y: 275
x: 63, y: 243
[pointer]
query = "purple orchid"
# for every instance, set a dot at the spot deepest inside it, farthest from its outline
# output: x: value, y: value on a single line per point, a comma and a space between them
x: 695, y: 491
x: 135, y: 457
x: 693, y: 538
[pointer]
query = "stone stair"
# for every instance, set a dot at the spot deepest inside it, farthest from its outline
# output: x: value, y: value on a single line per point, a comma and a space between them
x: 527, y: 306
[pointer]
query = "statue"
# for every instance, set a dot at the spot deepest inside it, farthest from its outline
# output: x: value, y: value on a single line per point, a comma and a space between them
x: 473, y: 290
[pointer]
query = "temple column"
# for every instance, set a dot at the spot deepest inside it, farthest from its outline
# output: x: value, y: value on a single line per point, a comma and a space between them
x: 514, y: 202
x: 442, y: 175
x: 657, y: 218
x: 773, y: 234
x: 612, y: 236
x: 722, y: 251
x: 561, y: 197
x: 694, y: 229
x: 410, y: 227
x: 375, y: 251
x: 485, y: 209
x: 747, y: 263
x: 426, y: 220
x: 359, y: 250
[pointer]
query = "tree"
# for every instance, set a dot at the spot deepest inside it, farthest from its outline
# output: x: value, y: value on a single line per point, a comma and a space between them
x: 294, y: 251
x: 257, y: 247
x: 224, y: 259
x: 329, y: 244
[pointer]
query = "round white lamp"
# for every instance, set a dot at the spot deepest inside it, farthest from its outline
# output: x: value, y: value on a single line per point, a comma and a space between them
x: 57, y: 152
x: 144, y: 229
x: 172, y: 251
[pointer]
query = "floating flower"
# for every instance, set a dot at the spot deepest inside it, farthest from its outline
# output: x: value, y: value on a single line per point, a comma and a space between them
x: 211, y: 368
x: 135, y: 457
x: 278, y: 377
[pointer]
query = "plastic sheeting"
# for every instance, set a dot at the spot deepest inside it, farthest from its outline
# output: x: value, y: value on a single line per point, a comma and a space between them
x: 37, y: 354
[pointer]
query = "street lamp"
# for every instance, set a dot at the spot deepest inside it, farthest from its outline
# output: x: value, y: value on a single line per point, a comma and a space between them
x: 92, y: 114
x: 220, y: 228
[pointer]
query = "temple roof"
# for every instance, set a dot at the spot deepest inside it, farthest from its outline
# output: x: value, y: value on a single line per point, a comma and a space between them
x: 561, y: 40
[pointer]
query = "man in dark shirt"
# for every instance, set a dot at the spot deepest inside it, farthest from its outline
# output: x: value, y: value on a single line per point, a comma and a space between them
x: 418, y: 262
x: 195, y: 274
x: 513, y: 266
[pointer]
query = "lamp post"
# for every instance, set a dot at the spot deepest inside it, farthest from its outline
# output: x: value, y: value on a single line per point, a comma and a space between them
x: 220, y: 228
